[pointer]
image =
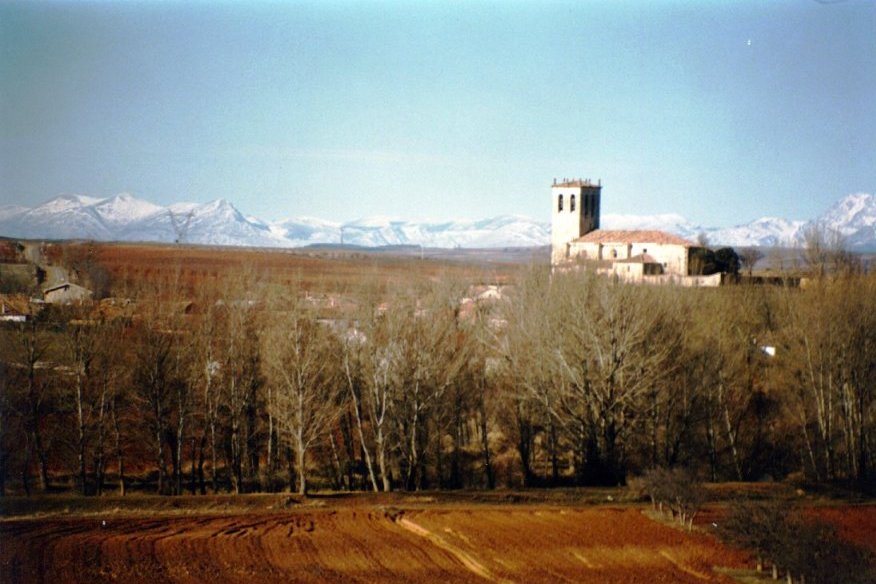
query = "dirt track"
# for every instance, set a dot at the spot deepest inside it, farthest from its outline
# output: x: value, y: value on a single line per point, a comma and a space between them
x: 523, y: 544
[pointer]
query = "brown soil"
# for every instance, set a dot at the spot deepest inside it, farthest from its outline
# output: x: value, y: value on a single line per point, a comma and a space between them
x: 856, y: 523
x: 362, y: 543
x: 131, y: 264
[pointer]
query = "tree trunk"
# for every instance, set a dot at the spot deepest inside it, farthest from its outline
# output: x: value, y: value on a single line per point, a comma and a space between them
x: 731, y: 435
x: 192, y: 475
x: 180, y: 439
x: 361, y: 432
x: 120, y: 459
x: 485, y: 444
x: 36, y: 434
x: 213, y: 480
x: 336, y: 464
x: 381, y: 460
x: 268, y: 473
x: 290, y: 467
x: 202, y: 484
x: 99, y: 454
x: 80, y: 418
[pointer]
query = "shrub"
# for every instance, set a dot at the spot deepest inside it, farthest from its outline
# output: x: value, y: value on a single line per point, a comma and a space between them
x: 808, y: 550
x: 676, y: 489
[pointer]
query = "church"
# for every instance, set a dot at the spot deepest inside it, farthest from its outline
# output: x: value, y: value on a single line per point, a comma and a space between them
x: 644, y: 256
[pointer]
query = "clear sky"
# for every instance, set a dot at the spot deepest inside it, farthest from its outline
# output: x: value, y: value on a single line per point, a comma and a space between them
x: 720, y: 111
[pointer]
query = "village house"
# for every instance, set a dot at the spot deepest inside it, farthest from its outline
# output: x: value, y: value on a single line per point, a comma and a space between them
x: 66, y: 293
x: 11, y: 314
x: 647, y: 256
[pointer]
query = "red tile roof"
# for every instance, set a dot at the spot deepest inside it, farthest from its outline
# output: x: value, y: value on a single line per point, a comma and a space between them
x: 634, y: 236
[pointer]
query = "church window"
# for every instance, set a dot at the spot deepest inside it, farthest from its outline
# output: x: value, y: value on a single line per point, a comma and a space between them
x: 560, y: 205
x: 572, y: 203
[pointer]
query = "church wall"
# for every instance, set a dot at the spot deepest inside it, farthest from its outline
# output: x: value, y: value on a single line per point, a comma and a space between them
x: 673, y: 256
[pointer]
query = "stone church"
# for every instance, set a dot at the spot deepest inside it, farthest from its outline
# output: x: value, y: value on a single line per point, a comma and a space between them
x: 647, y: 256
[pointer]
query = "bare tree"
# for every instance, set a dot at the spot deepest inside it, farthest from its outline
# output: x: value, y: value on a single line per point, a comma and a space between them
x: 527, y: 356
x: 82, y: 340
x: 204, y: 376
x: 153, y: 378
x: 748, y: 257
x: 298, y: 352
x: 32, y: 345
x: 356, y: 350
x: 825, y: 251
x: 426, y: 361
x: 830, y: 373
x: 614, y: 346
x: 110, y: 376
x: 241, y: 374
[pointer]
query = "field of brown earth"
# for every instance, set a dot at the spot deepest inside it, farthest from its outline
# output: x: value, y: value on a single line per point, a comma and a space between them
x: 526, y: 537
x: 398, y: 539
x: 311, y: 268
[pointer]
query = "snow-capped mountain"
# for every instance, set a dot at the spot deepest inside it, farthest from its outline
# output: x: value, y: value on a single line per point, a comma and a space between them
x: 127, y: 218
x: 764, y: 232
x: 215, y: 223
x: 671, y: 222
x: 64, y: 217
x: 854, y: 218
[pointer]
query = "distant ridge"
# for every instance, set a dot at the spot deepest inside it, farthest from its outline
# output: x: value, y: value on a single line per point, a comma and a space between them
x: 127, y: 218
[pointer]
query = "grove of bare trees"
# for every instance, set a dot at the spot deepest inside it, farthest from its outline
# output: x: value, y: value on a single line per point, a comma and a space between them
x: 559, y: 379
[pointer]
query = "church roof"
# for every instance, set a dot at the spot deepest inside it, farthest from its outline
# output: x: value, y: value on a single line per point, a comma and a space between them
x: 634, y: 236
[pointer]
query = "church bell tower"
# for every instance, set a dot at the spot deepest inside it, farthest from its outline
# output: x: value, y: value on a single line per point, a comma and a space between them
x: 575, y: 212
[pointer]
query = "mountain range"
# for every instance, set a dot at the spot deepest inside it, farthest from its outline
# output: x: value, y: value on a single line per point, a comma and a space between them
x: 128, y: 218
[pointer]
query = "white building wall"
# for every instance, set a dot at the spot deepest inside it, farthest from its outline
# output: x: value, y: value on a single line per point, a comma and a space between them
x: 673, y: 257
x: 568, y: 224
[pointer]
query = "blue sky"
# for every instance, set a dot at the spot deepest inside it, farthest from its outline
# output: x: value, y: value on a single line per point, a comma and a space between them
x: 720, y: 111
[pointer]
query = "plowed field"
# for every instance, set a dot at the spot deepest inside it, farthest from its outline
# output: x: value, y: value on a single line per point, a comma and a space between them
x: 526, y: 544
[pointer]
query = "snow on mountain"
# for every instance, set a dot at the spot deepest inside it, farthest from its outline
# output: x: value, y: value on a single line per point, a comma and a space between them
x: 851, y: 213
x: 665, y: 221
x: 854, y: 218
x: 9, y: 211
x: 301, y: 231
x: 502, y: 231
x: 215, y: 223
x: 670, y: 222
x: 64, y: 217
x: 220, y: 223
x: 764, y: 232
x: 123, y: 209
x: 127, y: 218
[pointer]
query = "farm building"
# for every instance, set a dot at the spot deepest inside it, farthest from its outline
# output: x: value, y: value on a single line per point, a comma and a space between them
x: 66, y: 293
x: 648, y: 256
x: 10, y: 314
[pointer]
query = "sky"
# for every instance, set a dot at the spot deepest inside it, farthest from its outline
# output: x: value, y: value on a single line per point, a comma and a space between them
x: 722, y: 112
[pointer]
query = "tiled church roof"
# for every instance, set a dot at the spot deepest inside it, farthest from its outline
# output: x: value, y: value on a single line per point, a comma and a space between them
x: 634, y: 236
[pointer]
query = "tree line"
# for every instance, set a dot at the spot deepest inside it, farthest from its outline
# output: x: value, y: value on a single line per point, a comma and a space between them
x: 565, y: 379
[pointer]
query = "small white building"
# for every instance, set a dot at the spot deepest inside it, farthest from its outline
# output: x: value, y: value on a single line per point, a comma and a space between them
x: 66, y: 293
x: 9, y: 314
